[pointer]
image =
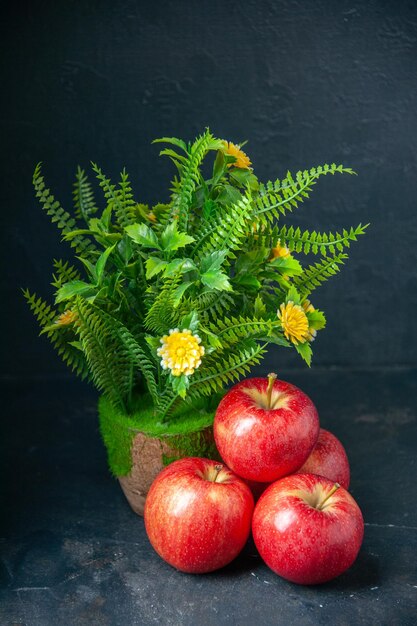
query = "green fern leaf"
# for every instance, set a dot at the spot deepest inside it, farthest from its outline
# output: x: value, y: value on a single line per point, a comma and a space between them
x: 190, y: 176
x: 227, y: 232
x: 218, y: 371
x: 119, y: 200
x: 59, y: 337
x: 112, y: 354
x: 315, y: 242
x: 279, y: 197
x: 64, y: 273
x: 83, y: 246
x: 83, y: 196
x: 314, y: 275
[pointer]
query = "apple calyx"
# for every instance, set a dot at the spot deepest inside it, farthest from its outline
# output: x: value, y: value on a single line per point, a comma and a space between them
x: 321, y: 504
x: 271, y: 379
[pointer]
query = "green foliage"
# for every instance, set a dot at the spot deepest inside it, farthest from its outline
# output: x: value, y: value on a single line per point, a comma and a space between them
x: 319, y: 243
x: 316, y: 274
x: 281, y: 196
x: 60, y: 338
x: 58, y: 215
x: 83, y: 196
x: 216, y: 260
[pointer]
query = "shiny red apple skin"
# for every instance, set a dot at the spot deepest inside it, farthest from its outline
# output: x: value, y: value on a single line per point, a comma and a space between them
x: 328, y: 459
x: 301, y: 543
x: 262, y: 444
x: 193, y: 523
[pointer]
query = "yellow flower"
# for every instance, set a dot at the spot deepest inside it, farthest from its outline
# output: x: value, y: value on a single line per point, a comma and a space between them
x: 309, y: 308
x: 181, y: 352
x: 294, y: 322
x: 242, y: 160
x: 279, y: 251
x: 66, y: 318
x: 151, y: 216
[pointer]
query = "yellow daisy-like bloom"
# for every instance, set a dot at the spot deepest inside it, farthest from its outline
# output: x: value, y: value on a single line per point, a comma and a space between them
x: 151, y: 216
x: 181, y: 352
x: 294, y: 322
x: 242, y: 159
x: 279, y: 251
x: 66, y: 318
x: 309, y: 308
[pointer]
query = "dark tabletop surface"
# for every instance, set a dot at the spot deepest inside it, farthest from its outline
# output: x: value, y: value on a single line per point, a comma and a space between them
x: 72, y: 551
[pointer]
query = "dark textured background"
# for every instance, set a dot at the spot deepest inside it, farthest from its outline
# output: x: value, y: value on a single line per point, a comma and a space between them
x: 305, y: 82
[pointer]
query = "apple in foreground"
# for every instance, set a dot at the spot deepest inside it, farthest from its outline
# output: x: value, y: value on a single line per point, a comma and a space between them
x: 328, y: 459
x: 307, y: 528
x: 265, y: 428
x: 198, y: 515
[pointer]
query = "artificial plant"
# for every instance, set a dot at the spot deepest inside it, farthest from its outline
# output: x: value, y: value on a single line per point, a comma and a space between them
x: 171, y: 303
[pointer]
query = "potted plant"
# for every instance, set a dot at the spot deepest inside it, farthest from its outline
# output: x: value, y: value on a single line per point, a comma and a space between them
x: 167, y: 305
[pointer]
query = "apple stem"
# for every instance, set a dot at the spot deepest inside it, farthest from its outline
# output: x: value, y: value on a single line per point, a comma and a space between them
x: 331, y: 492
x: 271, y: 379
x: 218, y: 469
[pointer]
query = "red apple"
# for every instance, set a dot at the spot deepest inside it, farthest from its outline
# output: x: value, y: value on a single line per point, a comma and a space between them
x: 265, y: 428
x: 307, y: 528
x: 198, y: 515
x: 328, y: 459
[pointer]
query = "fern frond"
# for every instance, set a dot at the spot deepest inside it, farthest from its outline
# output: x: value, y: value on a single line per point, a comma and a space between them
x: 190, y: 177
x: 126, y: 206
x: 279, y: 197
x: 46, y: 316
x: 229, y: 331
x: 314, y: 275
x: 228, y: 231
x: 162, y: 315
x: 316, y: 242
x: 220, y: 370
x: 112, y: 354
x: 83, y: 246
x: 211, y: 304
x: 64, y: 273
x: 83, y: 196
x: 118, y: 200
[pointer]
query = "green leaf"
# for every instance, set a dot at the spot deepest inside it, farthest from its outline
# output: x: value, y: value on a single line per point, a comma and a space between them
x: 174, y: 141
x: 180, y: 384
x: 212, y: 262
x: 249, y: 282
x: 287, y: 265
x: 73, y: 288
x: 316, y: 319
x: 229, y: 195
x: 279, y: 340
x: 91, y: 268
x: 305, y: 351
x: 249, y: 261
x: 179, y: 265
x: 153, y: 342
x: 219, y: 168
x: 293, y: 296
x: 179, y: 292
x: 143, y: 235
x: 101, y: 263
x: 216, y: 280
x: 171, y: 239
x: 259, y: 307
x: 154, y: 266
x: 190, y: 321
